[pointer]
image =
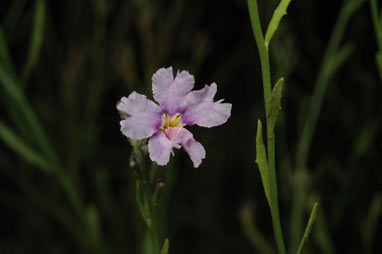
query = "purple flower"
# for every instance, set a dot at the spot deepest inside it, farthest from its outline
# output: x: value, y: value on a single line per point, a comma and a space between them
x: 178, y: 107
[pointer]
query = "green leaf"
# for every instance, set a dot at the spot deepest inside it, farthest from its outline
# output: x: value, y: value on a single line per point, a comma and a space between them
x: 251, y: 230
x: 35, y: 40
x: 5, y: 56
x: 15, y: 95
x: 261, y: 160
x: 94, y: 228
x: 338, y: 59
x: 279, y: 12
x: 275, y: 106
x: 378, y: 58
x: 22, y: 149
x: 142, y: 203
x: 165, y: 247
x: 370, y: 223
x: 93, y: 222
x: 308, y: 227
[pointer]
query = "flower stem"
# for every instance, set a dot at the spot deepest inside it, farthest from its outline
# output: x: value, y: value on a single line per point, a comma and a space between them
x: 266, y: 75
x: 152, y: 212
x: 148, y: 206
x: 153, y: 229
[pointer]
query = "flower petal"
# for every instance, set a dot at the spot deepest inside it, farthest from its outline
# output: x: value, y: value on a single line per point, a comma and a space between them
x: 170, y: 92
x: 144, y: 117
x: 194, y: 149
x: 182, y: 136
x: 161, y: 144
x: 162, y: 79
x: 160, y: 148
x: 203, y: 111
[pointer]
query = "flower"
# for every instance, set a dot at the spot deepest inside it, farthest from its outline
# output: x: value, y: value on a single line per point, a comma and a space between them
x: 178, y: 107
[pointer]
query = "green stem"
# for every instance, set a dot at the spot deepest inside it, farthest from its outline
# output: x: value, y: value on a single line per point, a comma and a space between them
x: 376, y: 22
x: 326, y: 71
x: 151, y: 205
x: 308, y: 228
x: 153, y: 229
x: 266, y: 75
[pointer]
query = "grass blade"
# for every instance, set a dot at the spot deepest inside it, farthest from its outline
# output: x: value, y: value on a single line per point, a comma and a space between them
x: 165, y: 247
x: 15, y: 94
x: 279, y: 12
x: 5, y: 56
x: 35, y: 40
x: 22, y: 149
x: 252, y: 232
x: 261, y: 160
x: 308, y: 227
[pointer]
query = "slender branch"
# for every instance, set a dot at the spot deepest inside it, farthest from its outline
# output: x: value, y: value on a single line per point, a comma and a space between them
x: 265, y: 67
x: 326, y: 72
x: 150, y: 215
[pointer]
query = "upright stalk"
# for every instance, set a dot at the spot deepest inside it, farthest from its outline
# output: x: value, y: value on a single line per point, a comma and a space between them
x: 147, y: 196
x: 266, y: 75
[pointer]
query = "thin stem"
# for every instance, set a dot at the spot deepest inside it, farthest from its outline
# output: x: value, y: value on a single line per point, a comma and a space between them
x: 326, y: 71
x: 308, y: 228
x: 377, y: 25
x: 154, y: 230
x: 266, y: 75
x: 144, y: 178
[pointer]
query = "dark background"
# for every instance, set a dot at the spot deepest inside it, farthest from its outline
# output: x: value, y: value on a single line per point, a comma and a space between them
x: 94, y: 52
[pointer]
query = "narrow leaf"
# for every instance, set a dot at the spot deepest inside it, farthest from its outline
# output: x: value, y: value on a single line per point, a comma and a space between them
x: 370, y: 223
x: 21, y: 148
x: 165, y: 247
x: 308, y: 227
x: 251, y: 230
x: 377, y: 21
x: 93, y: 222
x: 339, y: 58
x: 261, y: 160
x: 142, y: 203
x: 5, y: 56
x: 378, y: 58
x: 275, y: 106
x: 16, y: 96
x: 35, y: 40
x: 279, y: 12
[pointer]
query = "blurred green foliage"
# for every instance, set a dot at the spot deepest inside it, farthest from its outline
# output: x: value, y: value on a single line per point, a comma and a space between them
x: 65, y: 181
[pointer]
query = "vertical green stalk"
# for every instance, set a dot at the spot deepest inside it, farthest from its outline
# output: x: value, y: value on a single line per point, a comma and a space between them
x: 154, y: 229
x: 266, y: 75
x: 146, y: 196
x: 153, y: 213
x: 377, y: 21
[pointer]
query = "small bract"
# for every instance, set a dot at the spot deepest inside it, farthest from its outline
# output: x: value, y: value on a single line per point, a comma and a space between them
x: 164, y: 124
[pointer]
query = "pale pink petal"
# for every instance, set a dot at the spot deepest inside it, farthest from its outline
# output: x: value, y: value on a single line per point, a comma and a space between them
x: 203, y: 111
x: 160, y: 148
x: 162, y: 80
x: 170, y: 92
x: 182, y: 136
x: 175, y: 135
x: 184, y: 82
x: 143, y: 117
x: 162, y: 143
x: 195, y: 150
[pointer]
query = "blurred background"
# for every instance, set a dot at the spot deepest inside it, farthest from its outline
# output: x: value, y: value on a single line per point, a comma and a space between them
x: 65, y: 181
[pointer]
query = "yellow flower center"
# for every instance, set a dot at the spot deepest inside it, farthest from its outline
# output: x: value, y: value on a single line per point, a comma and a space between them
x: 175, y: 121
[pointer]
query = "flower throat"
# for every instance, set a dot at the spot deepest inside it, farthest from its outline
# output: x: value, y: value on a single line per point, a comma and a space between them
x: 175, y: 121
